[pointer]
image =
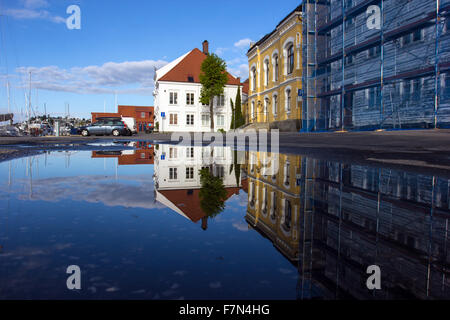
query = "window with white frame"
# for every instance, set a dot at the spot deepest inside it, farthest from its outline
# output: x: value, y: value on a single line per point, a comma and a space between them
x: 173, y: 173
x: 374, y: 97
x: 221, y: 101
x: 273, y: 210
x: 190, y: 153
x: 189, y: 99
x: 266, y: 105
x: 290, y: 58
x: 189, y: 173
x: 219, y: 152
x: 220, y: 171
x: 205, y: 120
x: 349, y: 22
x: 173, y: 98
x: 143, y: 115
x: 207, y: 152
x: 173, y: 119
x: 288, y: 100
x: 264, y: 208
x: 253, y: 109
x: 374, y: 51
x: 266, y: 72
x: 189, y: 119
x: 287, y: 173
x: 173, y: 153
x: 220, y: 120
x: 275, y: 104
x: 417, y: 35
x: 276, y: 67
x: 287, y: 215
x: 254, y: 78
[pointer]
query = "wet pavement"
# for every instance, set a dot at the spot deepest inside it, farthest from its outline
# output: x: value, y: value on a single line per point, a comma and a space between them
x: 139, y: 222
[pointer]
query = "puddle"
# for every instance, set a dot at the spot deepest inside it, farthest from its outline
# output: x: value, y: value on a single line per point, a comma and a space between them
x: 141, y: 225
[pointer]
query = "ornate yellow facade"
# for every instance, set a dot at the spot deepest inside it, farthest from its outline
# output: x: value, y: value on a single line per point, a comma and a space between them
x: 275, y: 73
x: 274, y: 202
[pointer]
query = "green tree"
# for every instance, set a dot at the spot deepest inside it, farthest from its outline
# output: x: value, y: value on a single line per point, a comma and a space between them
x: 237, y: 169
x: 237, y: 119
x: 212, y: 193
x: 213, y: 78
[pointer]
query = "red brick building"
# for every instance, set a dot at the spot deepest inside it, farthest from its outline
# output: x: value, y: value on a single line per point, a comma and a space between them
x: 144, y: 116
x: 144, y: 154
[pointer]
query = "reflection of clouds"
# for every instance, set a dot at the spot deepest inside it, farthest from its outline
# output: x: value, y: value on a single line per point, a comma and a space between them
x: 241, y: 226
x: 285, y: 271
x: 22, y: 262
x: 128, y: 191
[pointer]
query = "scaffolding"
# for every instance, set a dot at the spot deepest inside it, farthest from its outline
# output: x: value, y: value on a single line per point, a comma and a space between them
x: 376, y: 64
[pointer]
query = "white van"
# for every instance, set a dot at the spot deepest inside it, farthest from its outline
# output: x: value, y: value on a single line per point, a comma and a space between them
x: 131, y: 124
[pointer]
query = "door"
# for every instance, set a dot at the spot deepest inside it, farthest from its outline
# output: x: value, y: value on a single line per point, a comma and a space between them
x: 96, y: 128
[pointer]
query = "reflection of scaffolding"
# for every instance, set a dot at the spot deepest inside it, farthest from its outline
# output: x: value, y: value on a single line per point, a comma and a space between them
x: 364, y: 216
x: 396, y: 75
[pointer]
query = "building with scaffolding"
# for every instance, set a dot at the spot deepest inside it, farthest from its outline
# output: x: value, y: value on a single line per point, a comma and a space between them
x: 333, y: 220
x: 375, y: 64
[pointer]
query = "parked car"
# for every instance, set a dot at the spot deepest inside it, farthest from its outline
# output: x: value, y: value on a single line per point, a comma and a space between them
x: 115, y: 127
x: 129, y: 122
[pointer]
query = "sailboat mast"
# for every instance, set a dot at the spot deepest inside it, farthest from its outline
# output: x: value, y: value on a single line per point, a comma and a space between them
x: 29, y: 101
x: 9, y: 99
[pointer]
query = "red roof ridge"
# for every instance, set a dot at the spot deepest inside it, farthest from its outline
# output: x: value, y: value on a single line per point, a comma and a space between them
x: 189, y: 69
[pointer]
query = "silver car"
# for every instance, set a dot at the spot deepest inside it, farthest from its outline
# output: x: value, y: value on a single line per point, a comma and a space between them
x: 106, y: 127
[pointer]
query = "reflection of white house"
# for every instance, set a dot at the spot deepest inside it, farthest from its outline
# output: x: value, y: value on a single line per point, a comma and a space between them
x: 177, y: 96
x: 177, y: 178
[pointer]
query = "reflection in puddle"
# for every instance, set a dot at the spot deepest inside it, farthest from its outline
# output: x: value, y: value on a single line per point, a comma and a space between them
x: 133, y: 221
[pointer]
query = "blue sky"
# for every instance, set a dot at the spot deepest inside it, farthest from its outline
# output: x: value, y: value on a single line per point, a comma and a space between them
x: 117, y: 47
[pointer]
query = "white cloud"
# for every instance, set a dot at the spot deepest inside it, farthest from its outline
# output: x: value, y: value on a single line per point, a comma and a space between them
x: 235, y: 61
x: 93, y: 189
x: 34, y: 4
x: 33, y: 9
x: 241, y: 226
x: 121, y: 77
x: 239, y: 71
x: 221, y: 51
x: 243, y: 43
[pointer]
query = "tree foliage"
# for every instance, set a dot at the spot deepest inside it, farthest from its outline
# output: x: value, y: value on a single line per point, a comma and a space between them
x: 237, y: 119
x: 213, y: 79
x: 212, y: 193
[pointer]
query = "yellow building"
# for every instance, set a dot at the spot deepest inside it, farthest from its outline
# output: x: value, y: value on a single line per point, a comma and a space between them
x: 274, y: 199
x: 275, y: 74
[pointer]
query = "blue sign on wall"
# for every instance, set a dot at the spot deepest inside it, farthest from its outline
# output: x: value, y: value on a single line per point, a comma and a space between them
x: 163, y: 114
x: 300, y: 92
x: 163, y: 157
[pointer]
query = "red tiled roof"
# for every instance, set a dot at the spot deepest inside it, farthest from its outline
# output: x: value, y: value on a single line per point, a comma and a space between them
x: 188, y: 201
x: 245, y: 86
x: 190, y: 67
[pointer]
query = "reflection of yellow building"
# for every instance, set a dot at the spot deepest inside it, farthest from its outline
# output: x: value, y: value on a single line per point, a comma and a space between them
x: 275, y: 66
x: 274, y: 204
